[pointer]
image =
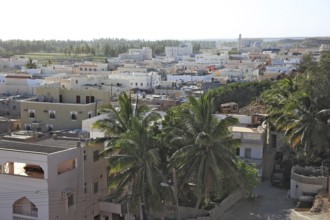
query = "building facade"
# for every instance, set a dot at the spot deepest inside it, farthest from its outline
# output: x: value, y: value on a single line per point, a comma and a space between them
x: 58, y: 108
x: 53, y: 179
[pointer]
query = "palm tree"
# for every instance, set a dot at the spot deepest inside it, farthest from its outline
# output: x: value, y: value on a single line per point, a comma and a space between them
x: 207, y: 149
x: 135, y: 164
x: 133, y: 150
x: 303, y: 119
x: 119, y: 119
x: 30, y: 64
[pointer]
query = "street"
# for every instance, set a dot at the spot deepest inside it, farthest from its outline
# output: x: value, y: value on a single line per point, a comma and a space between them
x: 270, y: 204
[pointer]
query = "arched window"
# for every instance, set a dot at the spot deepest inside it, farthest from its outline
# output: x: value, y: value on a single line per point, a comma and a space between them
x: 24, y: 207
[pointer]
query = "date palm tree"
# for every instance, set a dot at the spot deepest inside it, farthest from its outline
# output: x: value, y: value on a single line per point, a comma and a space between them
x: 30, y: 64
x: 120, y: 118
x: 207, y: 149
x: 135, y: 162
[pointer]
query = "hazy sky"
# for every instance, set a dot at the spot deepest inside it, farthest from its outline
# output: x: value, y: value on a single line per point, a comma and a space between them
x: 162, y: 19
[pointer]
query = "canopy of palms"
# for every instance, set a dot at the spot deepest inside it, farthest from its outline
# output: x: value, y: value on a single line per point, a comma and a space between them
x: 207, y: 149
x: 300, y: 114
x: 136, y: 162
x: 119, y: 119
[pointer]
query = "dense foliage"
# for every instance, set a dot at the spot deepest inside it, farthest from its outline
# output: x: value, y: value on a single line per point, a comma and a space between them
x: 240, y: 92
x: 192, y: 142
x: 299, y: 105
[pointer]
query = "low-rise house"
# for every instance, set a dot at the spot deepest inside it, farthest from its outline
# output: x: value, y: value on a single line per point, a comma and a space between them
x: 58, y: 108
x: 185, y: 49
x: 253, y: 140
x: 54, y: 178
x: 19, y: 84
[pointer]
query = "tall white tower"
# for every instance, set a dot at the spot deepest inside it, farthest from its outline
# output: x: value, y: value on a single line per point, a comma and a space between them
x: 239, y: 42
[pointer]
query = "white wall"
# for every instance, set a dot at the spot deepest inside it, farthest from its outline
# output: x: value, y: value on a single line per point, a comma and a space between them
x: 256, y: 150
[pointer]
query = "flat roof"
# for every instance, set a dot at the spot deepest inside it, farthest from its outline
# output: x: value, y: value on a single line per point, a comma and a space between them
x: 39, y: 148
x: 244, y: 129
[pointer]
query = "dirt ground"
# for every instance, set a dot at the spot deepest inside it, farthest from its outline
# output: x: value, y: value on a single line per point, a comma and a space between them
x: 271, y: 203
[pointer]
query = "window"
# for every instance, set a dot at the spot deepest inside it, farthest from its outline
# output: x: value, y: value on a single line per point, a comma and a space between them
x: 97, y: 217
x: 78, y: 99
x: 61, y: 98
x: 96, y: 187
x: 87, y: 99
x: 70, y: 200
x: 136, y: 84
x: 73, y: 115
x: 92, y: 99
x: 90, y: 114
x: 247, y: 153
x: 31, y: 114
x: 49, y: 127
x: 273, y: 140
x: 27, y: 127
x: 52, y: 114
x: 85, y: 188
x: 14, y: 107
x: 141, y: 84
x: 96, y: 155
x: 66, y: 166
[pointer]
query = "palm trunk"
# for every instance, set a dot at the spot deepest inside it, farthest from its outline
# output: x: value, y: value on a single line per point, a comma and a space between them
x: 199, y: 200
x: 141, y: 209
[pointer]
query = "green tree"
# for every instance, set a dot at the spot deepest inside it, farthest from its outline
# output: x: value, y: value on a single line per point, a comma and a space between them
x: 207, y: 153
x: 30, y: 64
x: 135, y: 163
x: 298, y: 108
x: 120, y: 118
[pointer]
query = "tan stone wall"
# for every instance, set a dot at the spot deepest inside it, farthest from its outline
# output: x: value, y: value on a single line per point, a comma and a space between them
x: 62, y: 111
x: 70, y: 95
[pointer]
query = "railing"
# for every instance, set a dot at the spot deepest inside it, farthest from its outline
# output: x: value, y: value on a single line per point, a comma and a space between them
x: 23, y: 217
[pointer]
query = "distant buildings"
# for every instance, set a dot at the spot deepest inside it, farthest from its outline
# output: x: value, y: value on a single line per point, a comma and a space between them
x: 185, y: 49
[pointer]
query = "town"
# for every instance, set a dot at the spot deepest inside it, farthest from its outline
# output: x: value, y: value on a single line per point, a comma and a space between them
x: 189, y: 131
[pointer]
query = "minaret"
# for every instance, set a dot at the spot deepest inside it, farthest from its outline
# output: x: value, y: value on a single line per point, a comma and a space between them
x: 239, y: 42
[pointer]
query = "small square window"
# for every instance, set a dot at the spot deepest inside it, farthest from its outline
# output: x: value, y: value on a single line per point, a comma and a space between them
x: 49, y: 127
x: 31, y: 114
x: 52, y: 114
x: 96, y: 155
x: 70, y: 200
x: 96, y: 187
x: 73, y: 115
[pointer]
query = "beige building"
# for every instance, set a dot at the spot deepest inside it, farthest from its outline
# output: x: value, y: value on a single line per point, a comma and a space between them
x: 54, y: 178
x: 60, y: 108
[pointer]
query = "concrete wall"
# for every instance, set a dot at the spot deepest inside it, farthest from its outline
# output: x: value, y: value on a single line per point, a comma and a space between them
x: 306, y: 184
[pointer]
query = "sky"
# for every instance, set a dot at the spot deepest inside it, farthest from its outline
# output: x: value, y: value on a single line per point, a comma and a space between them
x: 162, y: 19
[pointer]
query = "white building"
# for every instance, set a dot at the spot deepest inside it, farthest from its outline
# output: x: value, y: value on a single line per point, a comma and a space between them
x: 185, y: 49
x: 252, y: 140
x: 19, y: 84
x: 139, y: 80
x: 60, y: 178
x: 146, y: 52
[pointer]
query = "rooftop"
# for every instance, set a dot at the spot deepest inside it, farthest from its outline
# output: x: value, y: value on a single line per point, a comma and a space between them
x: 39, y: 148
